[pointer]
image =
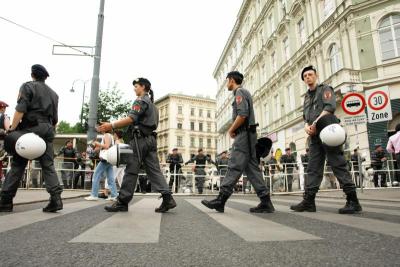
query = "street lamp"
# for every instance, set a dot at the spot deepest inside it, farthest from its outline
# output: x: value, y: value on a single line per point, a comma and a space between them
x: 72, y: 90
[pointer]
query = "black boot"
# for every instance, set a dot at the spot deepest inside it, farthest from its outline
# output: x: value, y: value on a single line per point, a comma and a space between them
x: 265, y: 205
x: 308, y: 203
x: 6, y: 205
x: 117, y: 206
x: 217, y: 204
x: 352, y: 205
x: 55, y: 204
x: 167, y: 203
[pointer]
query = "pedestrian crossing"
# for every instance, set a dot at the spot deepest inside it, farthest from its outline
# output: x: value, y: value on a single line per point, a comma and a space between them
x: 141, y: 225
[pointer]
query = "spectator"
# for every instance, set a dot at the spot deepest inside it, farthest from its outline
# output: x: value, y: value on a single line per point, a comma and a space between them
x: 69, y: 154
x: 80, y: 173
x: 222, y: 165
x: 289, y: 163
x: 4, y: 125
x: 118, y: 172
x: 378, y: 158
x: 200, y: 174
x: 103, y: 168
x: 393, y: 146
x: 175, y: 169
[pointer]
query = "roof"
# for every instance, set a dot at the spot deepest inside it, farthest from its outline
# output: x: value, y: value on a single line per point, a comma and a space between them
x: 184, y: 96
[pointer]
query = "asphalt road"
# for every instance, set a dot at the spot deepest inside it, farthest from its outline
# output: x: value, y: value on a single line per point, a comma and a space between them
x: 83, y: 234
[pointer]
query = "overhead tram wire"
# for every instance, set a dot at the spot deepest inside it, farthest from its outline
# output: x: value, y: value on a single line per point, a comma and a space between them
x: 44, y: 36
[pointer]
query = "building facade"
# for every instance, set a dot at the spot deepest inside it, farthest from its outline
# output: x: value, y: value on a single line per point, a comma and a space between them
x: 354, y: 44
x: 186, y: 123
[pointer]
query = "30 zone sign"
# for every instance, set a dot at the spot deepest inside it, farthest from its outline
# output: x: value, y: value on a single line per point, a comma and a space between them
x: 378, y: 103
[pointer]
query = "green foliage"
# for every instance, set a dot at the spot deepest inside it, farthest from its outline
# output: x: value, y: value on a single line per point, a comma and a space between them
x: 64, y: 127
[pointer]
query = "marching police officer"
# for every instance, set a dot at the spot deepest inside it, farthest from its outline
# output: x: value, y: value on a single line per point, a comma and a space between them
x: 142, y: 121
x: 200, y: 174
x: 320, y: 101
x: 243, y: 157
x: 36, y: 112
x: 175, y: 168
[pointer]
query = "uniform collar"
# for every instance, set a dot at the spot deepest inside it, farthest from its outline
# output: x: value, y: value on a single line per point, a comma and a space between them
x: 309, y: 91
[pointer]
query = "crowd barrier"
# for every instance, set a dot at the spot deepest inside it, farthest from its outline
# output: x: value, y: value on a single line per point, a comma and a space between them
x: 190, y: 178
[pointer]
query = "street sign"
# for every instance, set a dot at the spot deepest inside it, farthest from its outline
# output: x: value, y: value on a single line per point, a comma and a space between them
x: 355, y: 120
x: 378, y: 104
x: 353, y: 104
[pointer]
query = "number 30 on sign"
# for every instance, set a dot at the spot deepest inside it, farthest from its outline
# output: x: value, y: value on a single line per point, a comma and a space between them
x: 378, y: 104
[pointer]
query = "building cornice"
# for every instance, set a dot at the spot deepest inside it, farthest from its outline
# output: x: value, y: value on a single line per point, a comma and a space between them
x: 185, y: 97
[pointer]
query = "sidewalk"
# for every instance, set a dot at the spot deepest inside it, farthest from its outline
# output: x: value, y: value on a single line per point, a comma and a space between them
x: 40, y: 195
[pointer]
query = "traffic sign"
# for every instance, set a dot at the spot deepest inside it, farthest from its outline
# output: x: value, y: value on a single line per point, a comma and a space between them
x: 378, y: 104
x: 353, y: 104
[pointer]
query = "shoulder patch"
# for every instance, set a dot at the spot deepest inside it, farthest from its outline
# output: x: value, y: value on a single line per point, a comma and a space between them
x: 136, y: 107
x: 239, y: 99
x: 327, y: 94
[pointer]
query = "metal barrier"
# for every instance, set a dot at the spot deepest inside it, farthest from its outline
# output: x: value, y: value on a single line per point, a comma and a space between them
x: 208, y: 177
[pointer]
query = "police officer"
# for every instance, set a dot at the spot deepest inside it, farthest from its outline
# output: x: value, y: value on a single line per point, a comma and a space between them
x: 175, y: 168
x: 37, y: 112
x: 200, y: 174
x: 142, y: 121
x: 243, y: 156
x: 320, y: 101
x: 4, y: 125
x: 378, y: 158
x: 289, y: 163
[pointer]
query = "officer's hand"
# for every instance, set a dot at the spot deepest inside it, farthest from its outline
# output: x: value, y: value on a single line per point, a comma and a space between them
x: 104, y: 127
x: 308, y: 129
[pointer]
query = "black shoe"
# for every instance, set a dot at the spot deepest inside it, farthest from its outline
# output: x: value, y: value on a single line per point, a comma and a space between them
x: 217, y: 204
x: 308, y: 204
x: 6, y: 205
x: 102, y: 195
x: 265, y: 206
x: 117, y: 206
x: 167, y: 203
x: 55, y: 204
x: 352, y: 205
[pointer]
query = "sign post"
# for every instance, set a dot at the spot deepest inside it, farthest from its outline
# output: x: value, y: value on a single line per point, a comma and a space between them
x: 353, y: 104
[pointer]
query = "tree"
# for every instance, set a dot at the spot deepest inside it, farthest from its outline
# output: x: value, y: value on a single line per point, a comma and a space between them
x: 111, y: 106
x: 64, y: 127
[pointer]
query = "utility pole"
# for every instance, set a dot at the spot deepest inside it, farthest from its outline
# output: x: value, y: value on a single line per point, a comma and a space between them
x: 94, y: 93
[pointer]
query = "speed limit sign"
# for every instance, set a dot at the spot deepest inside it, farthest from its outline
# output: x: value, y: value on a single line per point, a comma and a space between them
x: 378, y: 104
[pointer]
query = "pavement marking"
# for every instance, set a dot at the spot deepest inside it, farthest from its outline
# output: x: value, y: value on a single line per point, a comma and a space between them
x: 20, y: 219
x: 338, y: 206
x: 372, y: 225
x: 252, y: 228
x: 139, y: 225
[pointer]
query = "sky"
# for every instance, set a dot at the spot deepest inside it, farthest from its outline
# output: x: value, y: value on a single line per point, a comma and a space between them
x: 176, y: 44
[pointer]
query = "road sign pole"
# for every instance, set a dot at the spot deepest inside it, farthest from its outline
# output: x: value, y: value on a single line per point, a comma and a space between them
x: 360, y: 173
x: 94, y: 93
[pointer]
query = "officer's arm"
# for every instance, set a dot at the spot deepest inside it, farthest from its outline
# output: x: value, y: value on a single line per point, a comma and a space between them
x: 180, y: 159
x: 239, y: 121
x: 16, y: 119
x: 329, y: 102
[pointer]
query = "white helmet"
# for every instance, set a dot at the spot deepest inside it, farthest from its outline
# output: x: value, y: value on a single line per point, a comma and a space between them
x: 117, y: 155
x: 370, y: 172
x: 30, y: 146
x: 333, y: 135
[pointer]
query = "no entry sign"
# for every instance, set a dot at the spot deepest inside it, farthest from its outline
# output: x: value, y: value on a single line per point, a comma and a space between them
x: 378, y: 104
x: 353, y: 104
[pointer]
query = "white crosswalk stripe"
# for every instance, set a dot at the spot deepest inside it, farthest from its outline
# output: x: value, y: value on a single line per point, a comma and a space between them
x: 365, y: 202
x: 337, y: 206
x: 252, y: 228
x: 139, y: 225
x: 372, y: 225
x: 20, y: 219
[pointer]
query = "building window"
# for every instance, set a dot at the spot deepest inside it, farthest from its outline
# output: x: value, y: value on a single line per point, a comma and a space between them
x: 273, y: 63
x: 200, y: 142
x: 271, y: 23
x: 192, y: 112
x: 200, y: 127
x: 179, y: 126
x: 286, y: 49
x: 208, y: 143
x: 266, y: 112
x: 200, y: 113
x: 179, y: 141
x: 389, y: 35
x: 261, y: 38
x: 334, y: 58
x: 192, y: 142
x: 283, y: 7
x: 329, y: 7
x: 192, y: 126
x: 209, y: 127
x: 302, y: 31
x: 290, y: 98
x: 179, y: 109
x: 208, y: 113
x: 277, y: 109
